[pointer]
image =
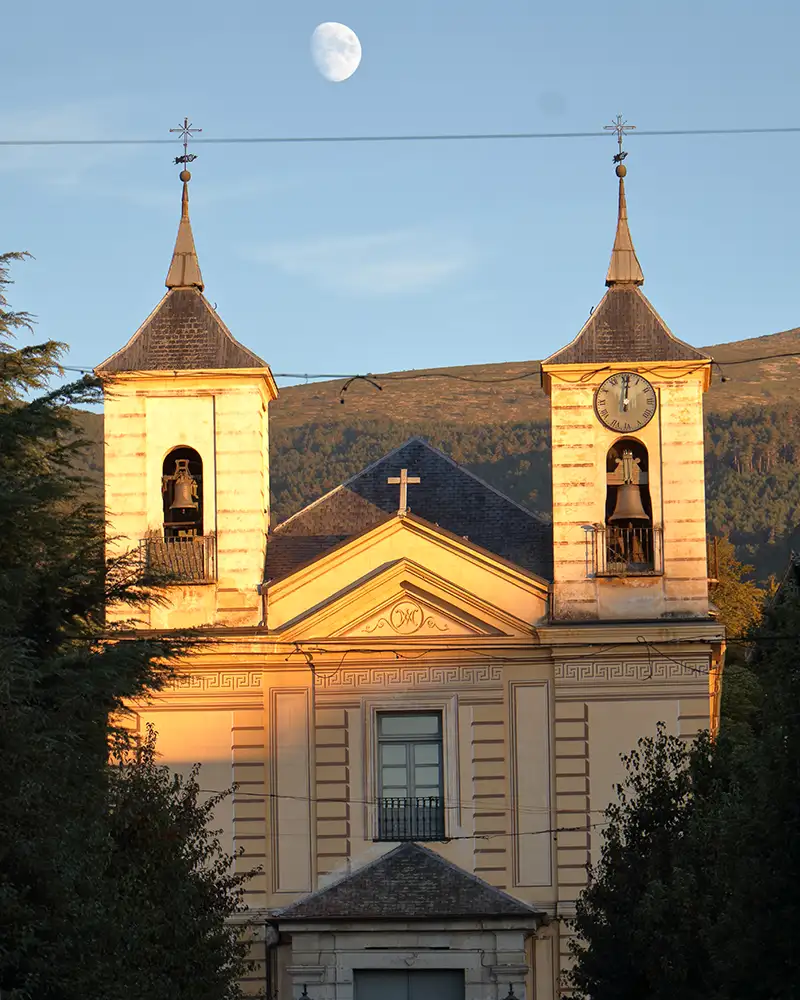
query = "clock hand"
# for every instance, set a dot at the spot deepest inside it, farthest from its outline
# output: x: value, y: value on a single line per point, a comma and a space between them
x: 625, y: 400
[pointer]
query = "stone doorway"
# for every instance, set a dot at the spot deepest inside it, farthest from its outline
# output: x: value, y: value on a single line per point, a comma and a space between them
x: 408, y: 984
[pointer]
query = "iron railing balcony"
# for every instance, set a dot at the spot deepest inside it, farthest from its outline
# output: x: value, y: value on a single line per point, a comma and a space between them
x: 186, y: 559
x: 411, y: 819
x: 627, y: 551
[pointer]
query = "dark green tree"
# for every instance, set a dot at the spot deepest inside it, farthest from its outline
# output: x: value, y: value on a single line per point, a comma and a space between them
x: 695, y: 891
x: 757, y: 816
x: 640, y: 920
x: 62, y: 676
x: 172, y: 887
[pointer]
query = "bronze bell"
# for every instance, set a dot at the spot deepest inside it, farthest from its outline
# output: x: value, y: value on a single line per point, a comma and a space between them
x: 185, y: 491
x: 629, y: 504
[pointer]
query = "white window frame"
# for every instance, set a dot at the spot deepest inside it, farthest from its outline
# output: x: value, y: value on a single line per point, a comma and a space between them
x: 451, y: 778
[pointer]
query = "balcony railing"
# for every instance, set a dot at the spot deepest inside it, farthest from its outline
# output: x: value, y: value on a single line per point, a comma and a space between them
x: 411, y: 819
x: 627, y: 551
x: 190, y: 559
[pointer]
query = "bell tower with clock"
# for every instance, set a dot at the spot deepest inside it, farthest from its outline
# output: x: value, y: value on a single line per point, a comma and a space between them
x: 626, y: 407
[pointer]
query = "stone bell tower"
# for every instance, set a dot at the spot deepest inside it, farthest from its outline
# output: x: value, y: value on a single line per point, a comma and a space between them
x: 626, y: 406
x: 186, y: 452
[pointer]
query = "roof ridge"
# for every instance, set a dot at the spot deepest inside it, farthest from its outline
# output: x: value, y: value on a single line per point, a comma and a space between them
x: 342, y: 877
x: 535, y: 515
x: 132, y: 338
x: 667, y: 329
x: 344, y: 483
x: 445, y: 862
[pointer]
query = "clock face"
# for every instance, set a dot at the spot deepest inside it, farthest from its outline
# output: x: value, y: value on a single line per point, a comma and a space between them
x: 625, y: 402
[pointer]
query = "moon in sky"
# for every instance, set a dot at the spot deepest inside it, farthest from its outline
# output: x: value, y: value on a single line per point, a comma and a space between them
x: 336, y: 51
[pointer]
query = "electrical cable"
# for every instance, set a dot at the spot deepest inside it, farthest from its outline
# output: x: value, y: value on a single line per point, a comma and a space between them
x: 690, y: 368
x: 430, y: 137
x: 476, y: 836
x: 448, y: 804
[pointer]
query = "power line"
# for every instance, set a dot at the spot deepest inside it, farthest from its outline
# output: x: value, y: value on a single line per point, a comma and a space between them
x: 475, y: 836
x: 429, y: 137
x: 447, y: 804
x: 420, y: 376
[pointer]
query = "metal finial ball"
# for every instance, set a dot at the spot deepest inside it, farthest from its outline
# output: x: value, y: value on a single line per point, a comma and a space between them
x: 621, y: 170
x: 185, y: 176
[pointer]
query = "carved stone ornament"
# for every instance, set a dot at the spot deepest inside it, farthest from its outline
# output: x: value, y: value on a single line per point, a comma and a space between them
x: 405, y: 617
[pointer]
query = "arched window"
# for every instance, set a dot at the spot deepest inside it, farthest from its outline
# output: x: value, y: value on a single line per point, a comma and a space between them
x: 182, y: 491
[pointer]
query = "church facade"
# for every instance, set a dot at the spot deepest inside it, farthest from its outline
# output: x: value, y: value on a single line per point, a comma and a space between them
x: 420, y: 687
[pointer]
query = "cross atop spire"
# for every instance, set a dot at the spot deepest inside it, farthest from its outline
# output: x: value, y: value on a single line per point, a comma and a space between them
x: 187, y: 132
x: 184, y: 271
x: 619, y: 127
x: 624, y: 268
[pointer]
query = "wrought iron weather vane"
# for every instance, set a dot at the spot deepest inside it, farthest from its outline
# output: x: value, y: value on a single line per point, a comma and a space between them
x: 187, y: 133
x: 619, y: 126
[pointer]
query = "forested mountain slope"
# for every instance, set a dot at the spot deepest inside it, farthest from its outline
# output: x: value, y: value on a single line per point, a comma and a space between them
x: 500, y: 431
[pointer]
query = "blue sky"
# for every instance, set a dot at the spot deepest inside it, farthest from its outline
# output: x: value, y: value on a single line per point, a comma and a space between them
x: 359, y: 257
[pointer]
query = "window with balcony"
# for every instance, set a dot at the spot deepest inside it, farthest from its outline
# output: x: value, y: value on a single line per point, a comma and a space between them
x: 410, y: 776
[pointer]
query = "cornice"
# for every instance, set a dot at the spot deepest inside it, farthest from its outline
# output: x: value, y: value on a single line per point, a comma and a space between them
x: 579, y: 634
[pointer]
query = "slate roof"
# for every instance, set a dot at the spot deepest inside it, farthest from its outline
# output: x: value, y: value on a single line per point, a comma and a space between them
x: 409, y: 883
x: 183, y: 332
x: 448, y: 496
x: 624, y: 328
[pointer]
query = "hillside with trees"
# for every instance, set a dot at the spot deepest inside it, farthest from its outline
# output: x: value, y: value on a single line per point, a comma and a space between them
x: 493, y: 419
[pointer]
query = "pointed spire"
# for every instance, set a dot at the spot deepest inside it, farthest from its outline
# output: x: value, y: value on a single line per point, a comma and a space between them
x: 624, y: 268
x: 184, y: 271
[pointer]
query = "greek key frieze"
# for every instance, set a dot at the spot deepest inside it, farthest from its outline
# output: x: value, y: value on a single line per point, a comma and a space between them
x: 225, y: 681
x: 406, y: 675
x: 625, y: 671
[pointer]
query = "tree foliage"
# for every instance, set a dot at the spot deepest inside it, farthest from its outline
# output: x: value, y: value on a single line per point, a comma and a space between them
x: 172, y: 887
x: 695, y: 891
x: 69, y: 919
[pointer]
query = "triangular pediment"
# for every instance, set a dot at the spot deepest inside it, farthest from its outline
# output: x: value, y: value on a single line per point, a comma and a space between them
x: 413, y: 610
x: 404, y: 601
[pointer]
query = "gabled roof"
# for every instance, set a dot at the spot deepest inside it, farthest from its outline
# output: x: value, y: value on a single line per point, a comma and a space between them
x: 183, y: 332
x: 448, y: 496
x: 624, y: 327
x: 409, y: 883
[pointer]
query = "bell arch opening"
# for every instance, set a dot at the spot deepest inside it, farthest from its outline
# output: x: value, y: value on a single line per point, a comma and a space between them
x: 628, y: 543
x: 627, y: 484
x: 182, y: 493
